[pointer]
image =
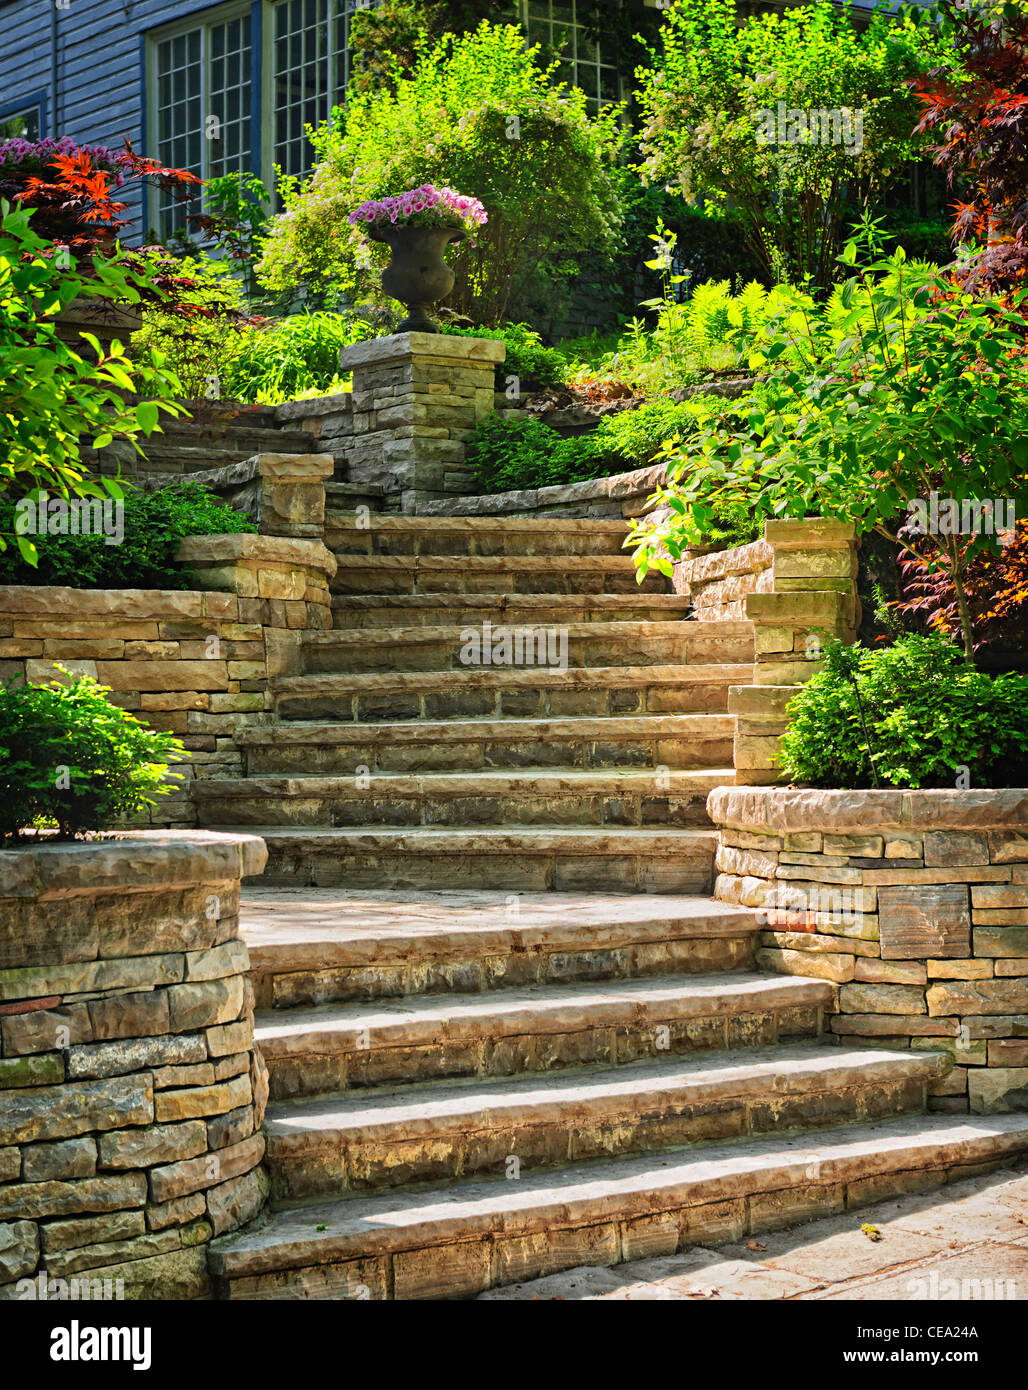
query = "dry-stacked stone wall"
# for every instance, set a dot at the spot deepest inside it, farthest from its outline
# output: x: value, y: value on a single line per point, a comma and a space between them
x: 913, y: 903
x: 195, y: 663
x: 131, y: 1092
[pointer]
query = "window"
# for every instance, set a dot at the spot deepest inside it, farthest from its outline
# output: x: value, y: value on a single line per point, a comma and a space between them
x: 202, y: 105
x: 311, y: 67
x: 581, y: 62
x: 21, y: 125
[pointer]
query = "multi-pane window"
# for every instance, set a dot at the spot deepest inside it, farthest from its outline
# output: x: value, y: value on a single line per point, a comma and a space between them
x: 21, y: 125
x: 582, y: 64
x: 311, y: 66
x: 203, y: 105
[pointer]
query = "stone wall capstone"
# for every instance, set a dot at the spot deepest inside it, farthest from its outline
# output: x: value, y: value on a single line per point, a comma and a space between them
x: 131, y: 1092
x: 914, y: 904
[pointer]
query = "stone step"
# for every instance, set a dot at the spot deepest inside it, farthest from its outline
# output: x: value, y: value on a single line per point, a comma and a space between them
x: 462, y: 536
x: 608, y: 797
x: 537, y: 1028
x: 504, y: 692
x: 172, y: 455
x: 483, y: 1232
x: 669, y: 740
x: 582, y: 645
x: 435, y: 610
x: 491, y: 574
x: 354, y: 494
x: 538, y: 859
x: 321, y: 945
x: 392, y: 1137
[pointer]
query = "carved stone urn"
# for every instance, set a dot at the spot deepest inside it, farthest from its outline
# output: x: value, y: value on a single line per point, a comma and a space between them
x: 417, y: 275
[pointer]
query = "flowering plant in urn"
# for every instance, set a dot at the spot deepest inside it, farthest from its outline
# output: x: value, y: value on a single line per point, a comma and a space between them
x: 417, y: 226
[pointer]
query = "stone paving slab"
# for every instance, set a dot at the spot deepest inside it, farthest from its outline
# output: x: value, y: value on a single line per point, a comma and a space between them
x: 967, y: 1242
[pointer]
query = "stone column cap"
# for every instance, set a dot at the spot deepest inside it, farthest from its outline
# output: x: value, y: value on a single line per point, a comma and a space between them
x: 399, y: 345
x: 788, y: 810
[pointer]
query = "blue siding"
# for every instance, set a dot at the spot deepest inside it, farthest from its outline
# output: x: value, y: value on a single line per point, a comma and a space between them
x: 99, y: 74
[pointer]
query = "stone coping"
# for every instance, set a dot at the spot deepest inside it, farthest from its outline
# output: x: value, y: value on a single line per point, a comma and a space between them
x: 396, y: 345
x: 640, y: 482
x: 153, y: 603
x: 126, y: 861
x: 312, y: 468
x: 310, y: 409
x: 278, y: 550
x: 793, y: 809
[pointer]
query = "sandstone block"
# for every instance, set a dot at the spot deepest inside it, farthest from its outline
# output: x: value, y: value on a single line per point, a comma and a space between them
x: 882, y: 999
x: 917, y: 921
x: 202, y: 1100
x: 67, y: 1158
x: 204, y: 1004
x: 91, y: 1230
x: 196, y: 1174
x: 33, y: 1115
x: 140, y: 1148
x: 19, y: 1250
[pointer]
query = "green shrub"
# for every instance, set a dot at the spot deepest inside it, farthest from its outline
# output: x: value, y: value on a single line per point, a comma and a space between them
x: 51, y: 394
x: 154, y: 523
x: 535, y: 366
x: 511, y: 454
x: 68, y: 756
x: 930, y: 717
x: 479, y: 113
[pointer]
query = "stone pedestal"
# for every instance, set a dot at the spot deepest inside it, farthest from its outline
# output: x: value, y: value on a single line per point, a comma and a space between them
x: 416, y: 397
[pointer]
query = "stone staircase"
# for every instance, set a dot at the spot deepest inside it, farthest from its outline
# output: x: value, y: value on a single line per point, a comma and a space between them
x: 508, y: 1031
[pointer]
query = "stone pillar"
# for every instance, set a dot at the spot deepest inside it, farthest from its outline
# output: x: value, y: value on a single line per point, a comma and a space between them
x: 812, y: 596
x: 416, y: 397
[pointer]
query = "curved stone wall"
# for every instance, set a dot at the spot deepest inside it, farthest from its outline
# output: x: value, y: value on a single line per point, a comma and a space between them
x: 913, y: 903
x: 131, y: 1093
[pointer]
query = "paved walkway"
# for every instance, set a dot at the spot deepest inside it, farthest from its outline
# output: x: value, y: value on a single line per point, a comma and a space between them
x: 966, y: 1242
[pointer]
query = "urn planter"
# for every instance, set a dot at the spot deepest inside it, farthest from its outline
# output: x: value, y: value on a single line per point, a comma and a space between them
x: 417, y: 275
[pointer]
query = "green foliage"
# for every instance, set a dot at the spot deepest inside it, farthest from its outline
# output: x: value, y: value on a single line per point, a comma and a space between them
x: 196, y: 348
x: 477, y: 113
x: 900, y: 385
x: 508, y: 454
x: 50, y: 393
x: 535, y: 366
x: 71, y: 757
x: 704, y: 99
x: 154, y: 523
x: 931, y: 719
x: 233, y: 356
x: 286, y: 358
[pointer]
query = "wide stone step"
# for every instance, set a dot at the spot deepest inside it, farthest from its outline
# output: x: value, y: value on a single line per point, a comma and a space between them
x: 320, y: 945
x: 539, y: 859
x: 391, y: 1137
x: 670, y: 740
x: 483, y: 1232
x: 610, y: 797
x: 504, y: 692
x: 436, y: 610
x: 543, y: 1028
x: 491, y: 574
x: 352, y: 534
x: 582, y: 645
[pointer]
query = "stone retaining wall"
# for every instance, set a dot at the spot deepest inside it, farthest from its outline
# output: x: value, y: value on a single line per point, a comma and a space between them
x: 798, y: 586
x: 193, y: 663
x: 913, y: 903
x: 131, y: 1093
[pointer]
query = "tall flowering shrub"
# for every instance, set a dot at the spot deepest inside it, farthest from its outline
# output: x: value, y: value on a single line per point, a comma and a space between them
x: 479, y: 113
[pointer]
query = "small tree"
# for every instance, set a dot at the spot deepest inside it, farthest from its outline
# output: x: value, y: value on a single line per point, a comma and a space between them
x: 480, y: 114
x: 795, y: 119
x: 978, y: 103
x: 900, y: 388
x: 51, y: 395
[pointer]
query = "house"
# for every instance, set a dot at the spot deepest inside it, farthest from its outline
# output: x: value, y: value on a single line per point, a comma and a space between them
x: 216, y: 88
